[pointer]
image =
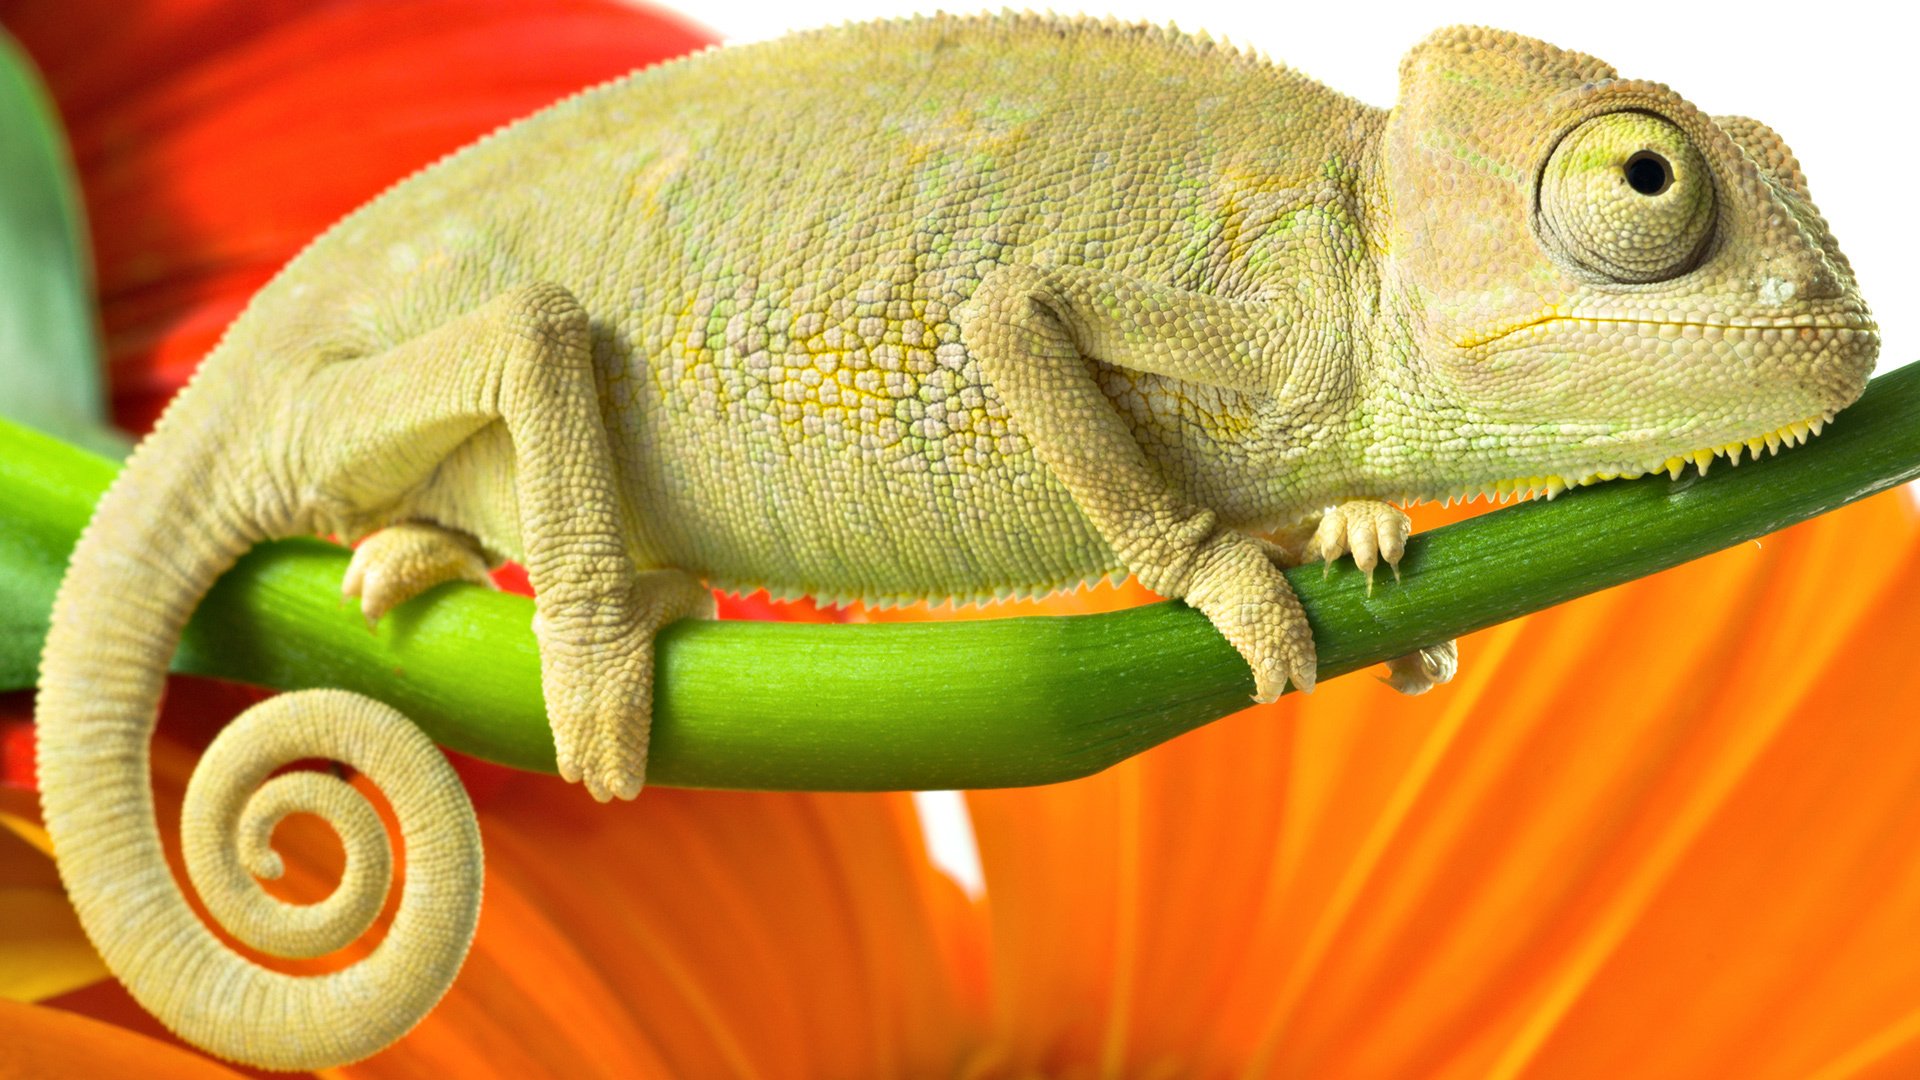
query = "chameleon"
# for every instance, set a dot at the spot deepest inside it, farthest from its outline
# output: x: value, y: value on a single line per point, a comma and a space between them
x: 949, y: 307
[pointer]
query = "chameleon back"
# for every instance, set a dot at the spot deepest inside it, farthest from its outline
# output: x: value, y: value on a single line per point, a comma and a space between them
x: 775, y: 315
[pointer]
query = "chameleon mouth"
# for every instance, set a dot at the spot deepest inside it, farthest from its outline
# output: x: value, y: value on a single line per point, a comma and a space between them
x: 1795, y: 433
x: 1838, y: 329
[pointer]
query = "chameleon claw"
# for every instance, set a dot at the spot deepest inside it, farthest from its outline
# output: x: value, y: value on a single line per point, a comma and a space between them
x: 1420, y: 671
x: 402, y: 561
x: 1372, y: 532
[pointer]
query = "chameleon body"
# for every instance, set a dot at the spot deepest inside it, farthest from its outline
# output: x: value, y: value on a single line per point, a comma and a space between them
x: 937, y: 308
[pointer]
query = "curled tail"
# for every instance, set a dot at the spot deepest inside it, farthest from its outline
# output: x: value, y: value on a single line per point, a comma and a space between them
x: 180, y: 514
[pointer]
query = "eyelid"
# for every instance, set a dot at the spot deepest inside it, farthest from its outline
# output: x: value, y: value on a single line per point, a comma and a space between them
x: 1596, y: 222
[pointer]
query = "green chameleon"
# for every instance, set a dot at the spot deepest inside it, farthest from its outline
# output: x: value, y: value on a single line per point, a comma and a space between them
x: 949, y: 307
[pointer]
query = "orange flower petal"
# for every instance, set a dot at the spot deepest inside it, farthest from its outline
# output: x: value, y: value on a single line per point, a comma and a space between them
x: 707, y: 934
x: 1658, y: 831
x: 42, y: 1042
x: 43, y: 951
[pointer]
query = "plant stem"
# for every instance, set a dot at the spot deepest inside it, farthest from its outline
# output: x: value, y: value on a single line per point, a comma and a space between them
x: 943, y: 704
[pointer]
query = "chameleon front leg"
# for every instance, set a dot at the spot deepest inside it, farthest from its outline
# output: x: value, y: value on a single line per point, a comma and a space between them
x: 1373, y: 532
x: 523, y: 360
x: 1035, y: 332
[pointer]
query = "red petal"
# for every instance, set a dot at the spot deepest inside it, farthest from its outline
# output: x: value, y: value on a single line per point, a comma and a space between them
x: 215, y: 138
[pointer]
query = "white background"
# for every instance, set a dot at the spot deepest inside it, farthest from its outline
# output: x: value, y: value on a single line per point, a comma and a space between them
x: 1837, y: 80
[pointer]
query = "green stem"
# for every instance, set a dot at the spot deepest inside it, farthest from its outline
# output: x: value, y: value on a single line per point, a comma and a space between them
x: 945, y: 704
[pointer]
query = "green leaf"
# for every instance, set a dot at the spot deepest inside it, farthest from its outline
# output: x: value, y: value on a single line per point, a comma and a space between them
x: 50, y: 367
x: 935, y: 705
x: 50, y: 370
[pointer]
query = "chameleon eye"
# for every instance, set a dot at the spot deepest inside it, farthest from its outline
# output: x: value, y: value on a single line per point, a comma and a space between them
x: 1627, y: 197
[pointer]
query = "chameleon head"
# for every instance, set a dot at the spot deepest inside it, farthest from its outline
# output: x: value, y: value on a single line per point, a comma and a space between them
x: 1597, y: 278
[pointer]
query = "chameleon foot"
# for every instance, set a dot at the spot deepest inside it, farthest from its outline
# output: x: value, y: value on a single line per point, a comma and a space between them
x: 596, y: 664
x: 1236, y: 584
x: 1421, y: 671
x: 402, y: 561
x: 1373, y: 531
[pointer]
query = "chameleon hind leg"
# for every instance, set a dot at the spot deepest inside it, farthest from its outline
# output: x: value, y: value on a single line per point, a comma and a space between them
x: 1373, y: 532
x: 523, y: 361
x: 1035, y: 332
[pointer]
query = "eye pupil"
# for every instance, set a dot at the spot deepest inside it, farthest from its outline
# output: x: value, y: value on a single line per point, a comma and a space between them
x: 1648, y: 173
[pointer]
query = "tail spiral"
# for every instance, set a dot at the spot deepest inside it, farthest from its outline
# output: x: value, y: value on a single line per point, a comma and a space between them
x: 174, y: 521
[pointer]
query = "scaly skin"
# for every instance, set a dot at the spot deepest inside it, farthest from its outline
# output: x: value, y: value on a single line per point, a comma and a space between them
x: 942, y: 308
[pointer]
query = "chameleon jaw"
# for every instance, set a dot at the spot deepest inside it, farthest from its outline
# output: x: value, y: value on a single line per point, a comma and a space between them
x: 1795, y: 433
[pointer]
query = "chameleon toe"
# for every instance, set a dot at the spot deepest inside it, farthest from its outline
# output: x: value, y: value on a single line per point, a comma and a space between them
x: 402, y: 561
